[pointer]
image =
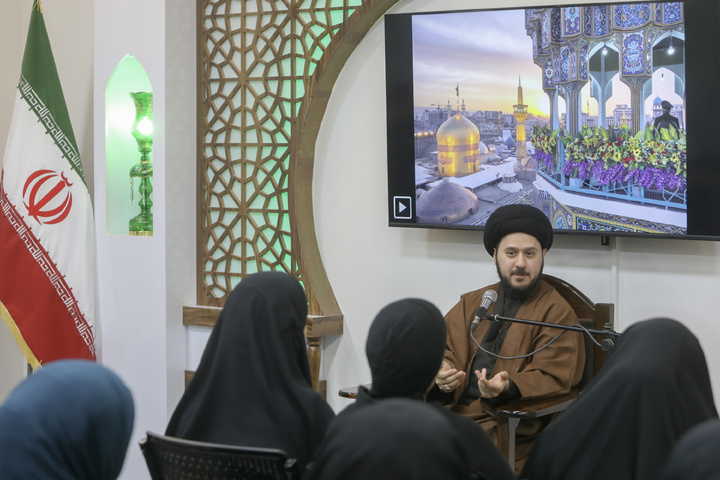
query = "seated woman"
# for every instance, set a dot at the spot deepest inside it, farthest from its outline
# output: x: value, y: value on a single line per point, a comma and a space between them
x: 653, y: 387
x: 252, y: 386
x: 397, y: 438
x: 695, y: 455
x: 70, y: 419
x: 405, y: 347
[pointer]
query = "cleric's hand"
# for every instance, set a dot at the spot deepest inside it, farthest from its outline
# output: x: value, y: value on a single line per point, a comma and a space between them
x: 448, y: 378
x: 493, y: 387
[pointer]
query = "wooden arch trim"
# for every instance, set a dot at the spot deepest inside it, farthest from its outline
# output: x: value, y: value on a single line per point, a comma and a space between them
x: 304, y: 139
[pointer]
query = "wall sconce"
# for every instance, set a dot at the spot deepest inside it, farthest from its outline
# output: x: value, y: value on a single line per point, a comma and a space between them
x: 142, y: 130
x: 671, y: 49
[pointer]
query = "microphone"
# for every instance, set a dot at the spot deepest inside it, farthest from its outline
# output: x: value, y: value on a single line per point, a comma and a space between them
x: 488, y: 299
x: 607, y: 344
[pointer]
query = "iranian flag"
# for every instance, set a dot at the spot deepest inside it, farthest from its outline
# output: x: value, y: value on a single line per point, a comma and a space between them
x: 47, y: 250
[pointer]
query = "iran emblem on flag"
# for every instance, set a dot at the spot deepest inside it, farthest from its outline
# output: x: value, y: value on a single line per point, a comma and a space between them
x: 47, y: 234
x: 50, y: 204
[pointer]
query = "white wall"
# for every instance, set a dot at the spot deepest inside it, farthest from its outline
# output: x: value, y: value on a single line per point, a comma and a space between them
x: 145, y: 281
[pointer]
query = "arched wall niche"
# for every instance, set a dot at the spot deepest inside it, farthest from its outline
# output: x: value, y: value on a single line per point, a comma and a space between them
x: 121, y: 148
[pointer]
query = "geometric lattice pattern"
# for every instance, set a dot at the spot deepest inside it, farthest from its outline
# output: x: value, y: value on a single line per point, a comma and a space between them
x: 256, y: 60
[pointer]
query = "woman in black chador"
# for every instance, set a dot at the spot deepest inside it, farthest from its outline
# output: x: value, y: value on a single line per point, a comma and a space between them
x: 695, y: 455
x: 397, y: 438
x: 253, y: 386
x: 653, y: 388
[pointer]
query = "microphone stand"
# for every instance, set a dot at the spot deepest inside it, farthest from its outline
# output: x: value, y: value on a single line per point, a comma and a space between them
x: 609, y: 335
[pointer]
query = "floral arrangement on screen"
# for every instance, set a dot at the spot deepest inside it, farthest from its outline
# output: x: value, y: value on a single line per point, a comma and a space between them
x: 654, y: 160
x: 544, y: 141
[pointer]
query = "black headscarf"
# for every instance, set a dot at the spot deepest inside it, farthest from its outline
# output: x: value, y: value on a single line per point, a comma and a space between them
x: 695, y: 455
x: 391, y: 439
x: 405, y: 347
x: 69, y: 420
x: 653, y: 388
x: 253, y: 385
x: 517, y: 218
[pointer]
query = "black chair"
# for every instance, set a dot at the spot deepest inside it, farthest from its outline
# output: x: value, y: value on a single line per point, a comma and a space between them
x: 171, y: 458
x: 593, y: 316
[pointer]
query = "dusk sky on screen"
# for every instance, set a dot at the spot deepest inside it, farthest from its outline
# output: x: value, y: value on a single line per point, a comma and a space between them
x: 484, y: 52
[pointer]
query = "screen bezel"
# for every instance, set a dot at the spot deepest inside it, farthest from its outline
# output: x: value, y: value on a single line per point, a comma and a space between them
x: 702, y: 100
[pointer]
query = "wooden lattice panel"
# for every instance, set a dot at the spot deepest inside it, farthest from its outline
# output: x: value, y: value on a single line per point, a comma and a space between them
x: 262, y: 67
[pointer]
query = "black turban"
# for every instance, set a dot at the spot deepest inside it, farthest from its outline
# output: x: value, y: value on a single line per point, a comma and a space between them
x: 517, y: 218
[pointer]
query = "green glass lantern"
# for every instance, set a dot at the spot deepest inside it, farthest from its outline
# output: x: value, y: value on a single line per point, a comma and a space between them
x: 142, y: 130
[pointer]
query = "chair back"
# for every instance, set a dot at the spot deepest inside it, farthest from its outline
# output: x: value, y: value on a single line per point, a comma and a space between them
x: 593, y: 316
x: 170, y: 458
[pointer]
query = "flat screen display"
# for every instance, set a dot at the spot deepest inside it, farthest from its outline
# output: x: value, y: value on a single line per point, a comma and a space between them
x: 604, y: 116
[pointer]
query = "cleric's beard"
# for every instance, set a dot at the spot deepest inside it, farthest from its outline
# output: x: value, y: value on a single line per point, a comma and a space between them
x: 519, y: 293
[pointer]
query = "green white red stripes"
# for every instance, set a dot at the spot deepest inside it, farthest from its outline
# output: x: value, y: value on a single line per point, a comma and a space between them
x: 47, y: 252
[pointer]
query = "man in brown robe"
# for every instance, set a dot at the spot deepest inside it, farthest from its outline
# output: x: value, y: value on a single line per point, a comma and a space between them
x: 474, y: 380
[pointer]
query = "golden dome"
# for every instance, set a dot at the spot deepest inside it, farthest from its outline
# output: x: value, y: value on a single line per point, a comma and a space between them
x: 458, y: 143
x: 457, y: 130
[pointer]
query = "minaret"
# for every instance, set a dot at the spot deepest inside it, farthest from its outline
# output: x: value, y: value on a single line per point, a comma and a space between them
x: 457, y: 94
x: 520, y: 114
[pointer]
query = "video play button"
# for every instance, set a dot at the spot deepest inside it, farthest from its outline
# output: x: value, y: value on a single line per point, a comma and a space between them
x: 402, y: 208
